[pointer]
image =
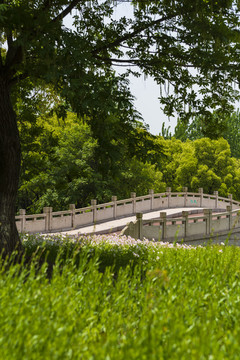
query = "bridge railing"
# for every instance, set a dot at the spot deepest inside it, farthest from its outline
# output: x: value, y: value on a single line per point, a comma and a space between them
x: 184, y: 227
x: 50, y: 221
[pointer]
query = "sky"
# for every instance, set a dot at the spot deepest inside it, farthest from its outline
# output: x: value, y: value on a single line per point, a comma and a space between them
x: 146, y: 91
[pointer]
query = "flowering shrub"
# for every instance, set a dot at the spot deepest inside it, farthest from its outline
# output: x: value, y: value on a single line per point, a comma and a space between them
x: 110, y: 249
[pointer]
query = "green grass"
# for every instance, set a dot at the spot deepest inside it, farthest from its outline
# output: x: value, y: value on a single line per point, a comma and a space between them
x: 111, y: 298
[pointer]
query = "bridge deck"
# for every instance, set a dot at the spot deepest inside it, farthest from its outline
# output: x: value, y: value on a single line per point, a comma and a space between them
x: 119, y: 224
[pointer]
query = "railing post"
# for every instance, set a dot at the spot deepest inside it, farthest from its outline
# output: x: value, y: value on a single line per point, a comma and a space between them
x: 22, y: 212
x: 72, y: 207
x: 216, y: 199
x: 131, y: 230
x: 48, y: 219
x: 229, y: 210
x: 200, y: 190
x: 208, y: 214
x: 168, y: 192
x: 185, y: 190
x: 139, y: 225
x: 163, y: 217
x: 151, y: 193
x: 45, y: 211
x: 185, y: 216
x: 94, y: 209
x: 133, y: 197
x: 230, y: 199
x: 114, y: 200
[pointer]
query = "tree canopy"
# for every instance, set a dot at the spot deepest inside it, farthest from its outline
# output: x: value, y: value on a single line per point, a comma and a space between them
x: 163, y: 39
x: 227, y: 127
x: 60, y: 166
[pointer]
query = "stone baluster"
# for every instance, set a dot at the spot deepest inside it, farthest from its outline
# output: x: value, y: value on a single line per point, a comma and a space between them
x: 22, y: 212
x: 185, y: 190
x: 229, y: 210
x: 168, y: 193
x: 94, y: 210
x: 208, y: 214
x: 72, y: 207
x: 48, y: 218
x: 185, y: 216
x: 139, y: 218
x: 216, y: 199
x: 200, y: 190
x: 114, y: 200
x: 163, y: 217
x: 151, y: 193
x: 133, y: 197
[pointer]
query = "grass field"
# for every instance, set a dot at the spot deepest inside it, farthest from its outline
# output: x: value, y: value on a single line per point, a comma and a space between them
x: 110, y: 298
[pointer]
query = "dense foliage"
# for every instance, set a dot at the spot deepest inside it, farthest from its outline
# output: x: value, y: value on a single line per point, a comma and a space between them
x: 173, y: 302
x: 202, y: 163
x: 227, y: 126
x: 61, y: 157
x: 61, y: 164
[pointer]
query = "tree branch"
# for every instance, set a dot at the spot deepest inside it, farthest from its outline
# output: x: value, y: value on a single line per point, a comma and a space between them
x: 14, y: 55
x: 9, y: 39
x: 125, y: 65
x: 138, y: 62
x: 18, y: 78
x: 14, y: 51
x: 132, y: 34
x: 66, y: 11
x: 106, y: 59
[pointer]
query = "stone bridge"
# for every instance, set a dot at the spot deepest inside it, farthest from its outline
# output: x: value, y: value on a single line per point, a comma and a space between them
x: 219, y: 217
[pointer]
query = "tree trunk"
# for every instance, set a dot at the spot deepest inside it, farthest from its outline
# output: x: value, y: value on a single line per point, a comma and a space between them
x: 10, y: 159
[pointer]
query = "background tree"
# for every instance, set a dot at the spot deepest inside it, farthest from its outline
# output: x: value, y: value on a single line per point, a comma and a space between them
x: 202, y: 163
x: 232, y: 133
x: 163, y: 38
x: 166, y: 132
x: 227, y: 127
x: 60, y: 165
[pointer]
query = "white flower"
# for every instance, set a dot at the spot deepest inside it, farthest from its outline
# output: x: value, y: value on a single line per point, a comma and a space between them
x: 135, y: 254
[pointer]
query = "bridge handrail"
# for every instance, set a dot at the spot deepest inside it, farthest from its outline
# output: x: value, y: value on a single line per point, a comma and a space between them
x: 166, y: 229
x: 95, y: 213
x: 84, y: 209
x: 62, y: 212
